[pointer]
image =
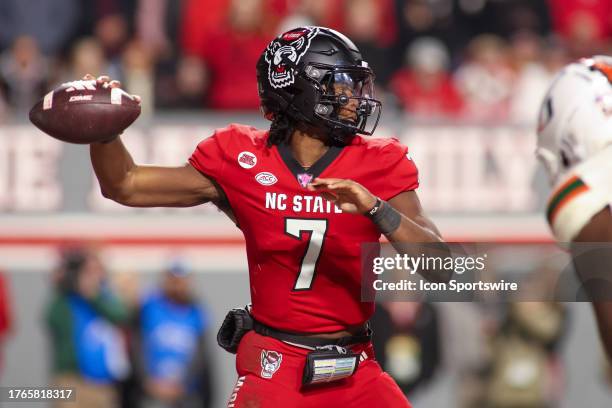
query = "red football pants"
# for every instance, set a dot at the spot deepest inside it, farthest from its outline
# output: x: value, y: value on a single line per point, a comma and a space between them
x: 279, y: 383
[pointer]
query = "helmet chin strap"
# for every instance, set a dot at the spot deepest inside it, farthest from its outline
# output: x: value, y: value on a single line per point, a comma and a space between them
x: 328, y: 134
x: 341, y: 137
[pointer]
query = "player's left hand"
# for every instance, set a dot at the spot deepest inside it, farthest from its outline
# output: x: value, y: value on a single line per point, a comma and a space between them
x: 350, y: 196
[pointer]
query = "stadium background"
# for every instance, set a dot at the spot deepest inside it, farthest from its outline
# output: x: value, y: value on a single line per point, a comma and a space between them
x: 460, y: 83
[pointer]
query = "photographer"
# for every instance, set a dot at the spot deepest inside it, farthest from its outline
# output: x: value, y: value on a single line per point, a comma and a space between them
x: 87, y: 347
x: 172, y: 363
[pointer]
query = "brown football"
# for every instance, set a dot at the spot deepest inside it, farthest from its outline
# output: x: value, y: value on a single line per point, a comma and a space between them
x: 85, y: 112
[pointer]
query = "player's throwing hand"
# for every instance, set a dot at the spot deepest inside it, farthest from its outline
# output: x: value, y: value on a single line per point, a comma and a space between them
x: 112, y: 83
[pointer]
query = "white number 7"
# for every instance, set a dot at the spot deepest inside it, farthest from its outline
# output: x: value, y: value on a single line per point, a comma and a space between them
x: 317, y: 229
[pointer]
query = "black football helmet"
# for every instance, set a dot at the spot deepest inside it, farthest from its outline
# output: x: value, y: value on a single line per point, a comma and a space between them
x: 317, y: 76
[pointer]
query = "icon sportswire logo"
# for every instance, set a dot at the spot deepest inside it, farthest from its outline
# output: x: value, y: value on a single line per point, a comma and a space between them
x: 265, y: 178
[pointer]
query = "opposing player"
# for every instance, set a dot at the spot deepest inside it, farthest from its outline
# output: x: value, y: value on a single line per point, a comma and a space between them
x: 575, y: 146
x: 306, y: 194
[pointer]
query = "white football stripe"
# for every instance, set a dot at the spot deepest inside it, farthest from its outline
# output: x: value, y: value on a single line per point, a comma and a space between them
x: 48, y: 101
x: 116, y: 96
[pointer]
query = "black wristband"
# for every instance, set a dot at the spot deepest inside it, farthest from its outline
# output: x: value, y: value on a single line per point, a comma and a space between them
x: 384, y: 216
x: 374, y: 209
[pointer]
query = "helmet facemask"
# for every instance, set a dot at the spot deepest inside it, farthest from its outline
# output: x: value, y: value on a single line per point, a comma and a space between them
x: 346, y: 101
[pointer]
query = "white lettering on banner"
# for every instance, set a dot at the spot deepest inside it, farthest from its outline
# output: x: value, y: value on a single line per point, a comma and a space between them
x: 175, y: 144
x: 474, y: 169
x: 462, y: 169
x: 514, y: 157
x: 36, y: 182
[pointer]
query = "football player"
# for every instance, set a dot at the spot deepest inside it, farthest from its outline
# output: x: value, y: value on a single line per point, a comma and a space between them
x: 306, y: 194
x: 575, y: 146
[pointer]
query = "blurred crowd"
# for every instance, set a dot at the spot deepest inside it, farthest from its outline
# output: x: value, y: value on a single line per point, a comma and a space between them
x: 476, y: 60
x: 122, y: 340
x: 119, y: 346
x: 506, y: 356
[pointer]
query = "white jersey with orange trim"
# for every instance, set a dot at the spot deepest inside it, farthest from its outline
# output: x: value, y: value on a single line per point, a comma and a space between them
x: 585, y: 191
x: 575, y: 144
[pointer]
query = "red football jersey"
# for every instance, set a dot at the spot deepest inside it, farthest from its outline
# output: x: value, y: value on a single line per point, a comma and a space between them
x: 304, y: 254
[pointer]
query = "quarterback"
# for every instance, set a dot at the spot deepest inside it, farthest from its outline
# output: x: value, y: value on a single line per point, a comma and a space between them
x: 306, y: 194
x: 575, y: 146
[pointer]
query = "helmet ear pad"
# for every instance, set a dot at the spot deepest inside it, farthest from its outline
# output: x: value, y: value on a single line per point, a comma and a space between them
x: 306, y: 94
x: 274, y: 103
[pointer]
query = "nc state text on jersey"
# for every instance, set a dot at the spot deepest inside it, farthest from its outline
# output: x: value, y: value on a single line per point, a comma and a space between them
x: 300, y: 203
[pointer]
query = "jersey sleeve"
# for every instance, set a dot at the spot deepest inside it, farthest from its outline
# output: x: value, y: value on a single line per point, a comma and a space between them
x: 581, y: 194
x: 401, y: 174
x: 209, y: 156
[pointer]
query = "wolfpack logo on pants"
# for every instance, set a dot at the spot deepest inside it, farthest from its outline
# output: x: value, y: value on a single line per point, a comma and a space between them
x: 270, y: 363
x: 284, y: 53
